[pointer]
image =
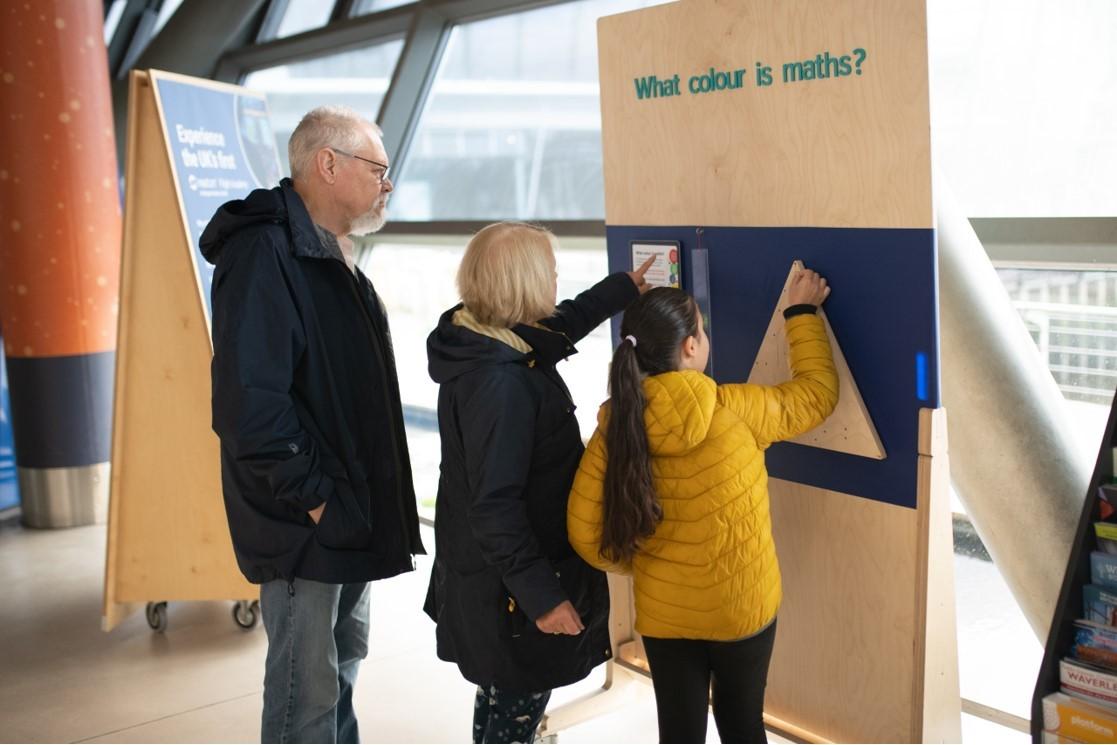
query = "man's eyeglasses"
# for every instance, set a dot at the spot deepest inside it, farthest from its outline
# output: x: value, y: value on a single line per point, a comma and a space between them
x: 382, y: 174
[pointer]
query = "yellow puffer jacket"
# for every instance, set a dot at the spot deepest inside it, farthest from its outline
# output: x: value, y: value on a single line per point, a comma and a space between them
x: 710, y: 570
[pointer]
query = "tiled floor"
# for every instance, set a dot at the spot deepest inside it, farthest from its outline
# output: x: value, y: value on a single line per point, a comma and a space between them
x: 64, y: 680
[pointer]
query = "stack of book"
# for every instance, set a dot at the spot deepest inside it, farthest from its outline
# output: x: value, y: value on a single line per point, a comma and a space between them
x: 1085, y: 709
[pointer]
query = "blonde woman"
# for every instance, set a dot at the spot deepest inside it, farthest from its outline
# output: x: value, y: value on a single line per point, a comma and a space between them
x: 517, y: 610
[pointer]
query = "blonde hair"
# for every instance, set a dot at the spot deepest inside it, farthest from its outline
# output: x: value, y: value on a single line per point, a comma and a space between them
x: 506, y: 276
x: 325, y: 126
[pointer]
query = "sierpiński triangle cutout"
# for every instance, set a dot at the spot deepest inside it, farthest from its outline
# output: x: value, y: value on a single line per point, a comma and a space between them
x: 850, y: 428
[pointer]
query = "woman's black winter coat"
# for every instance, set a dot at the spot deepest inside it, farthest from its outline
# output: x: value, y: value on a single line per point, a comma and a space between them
x: 510, y: 449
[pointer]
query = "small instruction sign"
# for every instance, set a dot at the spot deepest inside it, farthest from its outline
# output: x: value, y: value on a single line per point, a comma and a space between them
x: 665, y: 271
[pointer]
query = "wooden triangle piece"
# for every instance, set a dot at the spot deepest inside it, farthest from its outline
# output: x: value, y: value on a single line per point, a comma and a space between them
x: 850, y: 428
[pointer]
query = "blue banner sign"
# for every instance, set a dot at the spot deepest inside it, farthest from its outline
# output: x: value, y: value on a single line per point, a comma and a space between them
x: 221, y: 147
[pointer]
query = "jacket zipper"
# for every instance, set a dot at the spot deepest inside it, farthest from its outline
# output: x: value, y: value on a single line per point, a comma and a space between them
x: 562, y: 386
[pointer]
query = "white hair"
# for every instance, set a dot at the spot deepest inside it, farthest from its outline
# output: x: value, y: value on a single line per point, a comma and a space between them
x: 325, y: 126
x: 506, y: 276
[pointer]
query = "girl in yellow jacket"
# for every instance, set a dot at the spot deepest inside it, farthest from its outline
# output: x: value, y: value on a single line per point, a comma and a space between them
x: 673, y: 489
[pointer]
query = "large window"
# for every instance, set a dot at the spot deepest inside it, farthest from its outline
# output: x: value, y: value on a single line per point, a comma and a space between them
x: 1023, y: 105
x: 357, y: 79
x: 1034, y: 144
x: 998, y: 653
x: 304, y: 15
x: 371, y: 6
x: 1071, y: 318
x: 512, y: 128
x: 165, y: 13
x: 414, y: 308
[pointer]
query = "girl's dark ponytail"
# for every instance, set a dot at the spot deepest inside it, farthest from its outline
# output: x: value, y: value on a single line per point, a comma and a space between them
x: 652, y: 332
x: 631, y: 511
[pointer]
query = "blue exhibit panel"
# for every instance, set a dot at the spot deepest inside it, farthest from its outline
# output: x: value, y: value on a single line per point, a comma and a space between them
x: 883, y: 311
x: 9, y: 488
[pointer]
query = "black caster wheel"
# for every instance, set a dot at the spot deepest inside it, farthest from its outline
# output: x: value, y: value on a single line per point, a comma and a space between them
x: 246, y: 613
x: 157, y: 616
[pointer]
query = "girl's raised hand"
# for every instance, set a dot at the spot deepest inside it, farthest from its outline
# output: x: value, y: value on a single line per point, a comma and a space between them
x: 807, y: 288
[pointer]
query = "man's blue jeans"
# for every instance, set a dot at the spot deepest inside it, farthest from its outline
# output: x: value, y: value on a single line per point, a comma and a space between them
x: 317, y: 637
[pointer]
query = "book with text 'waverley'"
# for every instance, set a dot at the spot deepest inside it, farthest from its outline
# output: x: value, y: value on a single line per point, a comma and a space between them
x: 1087, y: 681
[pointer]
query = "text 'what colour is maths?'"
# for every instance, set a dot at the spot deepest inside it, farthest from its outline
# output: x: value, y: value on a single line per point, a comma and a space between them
x: 823, y: 66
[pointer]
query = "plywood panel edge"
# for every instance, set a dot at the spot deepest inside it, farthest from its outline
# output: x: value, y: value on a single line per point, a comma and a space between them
x: 936, y: 688
x: 113, y: 613
x: 790, y: 731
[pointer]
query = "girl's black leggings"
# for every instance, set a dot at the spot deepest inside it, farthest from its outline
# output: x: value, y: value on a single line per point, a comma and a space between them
x: 682, y: 673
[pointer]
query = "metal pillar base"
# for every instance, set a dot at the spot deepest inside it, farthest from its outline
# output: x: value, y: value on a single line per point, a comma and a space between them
x: 64, y: 497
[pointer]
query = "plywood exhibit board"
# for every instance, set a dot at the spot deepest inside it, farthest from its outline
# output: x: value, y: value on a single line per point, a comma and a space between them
x: 758, y: 133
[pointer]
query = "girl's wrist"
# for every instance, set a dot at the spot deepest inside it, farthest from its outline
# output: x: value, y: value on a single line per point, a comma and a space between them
x: 799, y: 309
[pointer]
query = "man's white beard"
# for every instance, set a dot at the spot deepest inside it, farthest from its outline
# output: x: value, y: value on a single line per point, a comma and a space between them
x: 371, y: 221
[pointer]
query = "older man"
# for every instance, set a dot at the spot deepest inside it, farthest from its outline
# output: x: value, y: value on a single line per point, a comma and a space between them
x: 314, y: 463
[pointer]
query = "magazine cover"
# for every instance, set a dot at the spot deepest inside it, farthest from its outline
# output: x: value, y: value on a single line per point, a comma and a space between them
x: 1099, y: 604
x: 1076, y: 719
x: 1103, y: 569
x: 1095, y: 643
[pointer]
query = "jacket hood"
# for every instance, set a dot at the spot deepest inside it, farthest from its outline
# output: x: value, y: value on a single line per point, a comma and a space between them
x: 680, y: 409
x: 279, y: 206
x: 453, y: 350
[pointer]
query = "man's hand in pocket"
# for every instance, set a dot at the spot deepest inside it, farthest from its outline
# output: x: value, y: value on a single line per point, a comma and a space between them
x: 316, y: 513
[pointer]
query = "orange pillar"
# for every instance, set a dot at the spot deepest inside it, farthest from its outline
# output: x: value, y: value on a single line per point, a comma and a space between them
x: 60, y: 233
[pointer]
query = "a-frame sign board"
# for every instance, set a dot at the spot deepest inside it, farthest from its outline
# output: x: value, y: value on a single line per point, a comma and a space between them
x: 192, y: 144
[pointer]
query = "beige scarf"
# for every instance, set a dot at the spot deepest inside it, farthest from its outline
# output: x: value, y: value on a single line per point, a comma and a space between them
x: 465, y: 319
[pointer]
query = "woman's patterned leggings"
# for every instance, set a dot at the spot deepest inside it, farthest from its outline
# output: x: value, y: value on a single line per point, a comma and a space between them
x: 505, y: 716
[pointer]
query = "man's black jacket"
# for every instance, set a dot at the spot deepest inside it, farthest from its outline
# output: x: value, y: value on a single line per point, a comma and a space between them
x: 510, y: 449
x: 305, y: 401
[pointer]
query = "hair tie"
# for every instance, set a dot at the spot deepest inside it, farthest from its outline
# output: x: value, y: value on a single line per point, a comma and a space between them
x: 632, y: 339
